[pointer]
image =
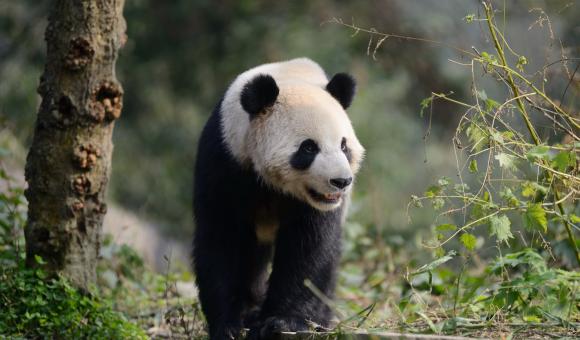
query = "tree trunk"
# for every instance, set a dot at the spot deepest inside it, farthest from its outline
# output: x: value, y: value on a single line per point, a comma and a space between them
x: 69, y: 162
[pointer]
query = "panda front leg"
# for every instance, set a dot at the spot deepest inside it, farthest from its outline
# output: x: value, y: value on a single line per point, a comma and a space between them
x: 307, y: 247
x: 230, y: 272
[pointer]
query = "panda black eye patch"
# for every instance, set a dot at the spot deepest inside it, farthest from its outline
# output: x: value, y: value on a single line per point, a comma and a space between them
x: 305, y: 155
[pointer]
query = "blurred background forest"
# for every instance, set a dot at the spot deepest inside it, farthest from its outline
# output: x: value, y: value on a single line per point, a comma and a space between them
x: 181, y: 55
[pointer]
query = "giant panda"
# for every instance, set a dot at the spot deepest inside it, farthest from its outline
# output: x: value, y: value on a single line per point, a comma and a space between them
x: 275, y: 167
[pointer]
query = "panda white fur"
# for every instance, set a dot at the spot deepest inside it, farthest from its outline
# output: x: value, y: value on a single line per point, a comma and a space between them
x: 274, y: 170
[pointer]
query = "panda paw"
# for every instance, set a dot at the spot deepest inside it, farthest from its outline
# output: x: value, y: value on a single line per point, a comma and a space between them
x: 273, y: 326
x: 252, y: 318
x: 228, y: 331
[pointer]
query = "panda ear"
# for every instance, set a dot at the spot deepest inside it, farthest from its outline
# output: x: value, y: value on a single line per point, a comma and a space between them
x: 342, y: 87
x: 258, y: 94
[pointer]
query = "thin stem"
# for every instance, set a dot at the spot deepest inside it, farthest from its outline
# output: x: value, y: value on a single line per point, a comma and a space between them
x: 510, y: 79
x: 522, y: 108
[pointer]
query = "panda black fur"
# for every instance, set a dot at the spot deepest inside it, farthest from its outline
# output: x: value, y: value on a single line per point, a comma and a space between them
x: 272, y: 181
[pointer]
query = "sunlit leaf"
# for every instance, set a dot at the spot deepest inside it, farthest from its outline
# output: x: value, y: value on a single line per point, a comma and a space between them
x: 435, y: 328
x: 444, y: 181
x: 438, y: 203
x: 563, y: 160
x: 491, y: 59
x: 468, y: 240
x: 531, y: 189
x: 508, y: 135
x: 506, y: 161
x: 433, y: 191
x: 535, y: 217
x: 509, y: 197
x: 500, y: 227
x: 432, y: 265
x: 473, y: 166
x: 481, y: 93
x: 477, y: 136
x: 461, y: 188
x: 416, y: 201
x: 527, y: 256
x: 538, y: 152
x: 531, y: 318
x: 425, y: 104
x: 446, y: 227
x: 522, y: 61
x: 497, y: 136
x: 491, y: 104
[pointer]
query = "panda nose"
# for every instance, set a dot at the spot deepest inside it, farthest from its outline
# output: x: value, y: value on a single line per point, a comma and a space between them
x: 341, y: 183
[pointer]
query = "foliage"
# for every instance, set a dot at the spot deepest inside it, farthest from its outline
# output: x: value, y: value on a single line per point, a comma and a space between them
x: 504, y: 241
x: 536, y: 179
x: 513, y: 172
x: 37, y: 306
x: 12, y: 218
x: 165, y: 305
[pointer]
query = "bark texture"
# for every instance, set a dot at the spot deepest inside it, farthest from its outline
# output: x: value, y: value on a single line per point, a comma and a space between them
x: 69, y: 162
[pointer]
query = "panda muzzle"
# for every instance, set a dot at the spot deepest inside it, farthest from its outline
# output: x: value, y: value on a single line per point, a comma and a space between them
x: 325, y: 198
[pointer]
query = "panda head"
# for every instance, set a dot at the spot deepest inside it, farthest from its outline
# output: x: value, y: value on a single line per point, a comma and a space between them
x: 300, y: 139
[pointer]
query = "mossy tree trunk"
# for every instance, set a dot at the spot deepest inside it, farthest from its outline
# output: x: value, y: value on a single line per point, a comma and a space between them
x: 69, y: 162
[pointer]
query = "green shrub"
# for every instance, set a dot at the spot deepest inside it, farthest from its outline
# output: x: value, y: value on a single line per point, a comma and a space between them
x: 37, y: 307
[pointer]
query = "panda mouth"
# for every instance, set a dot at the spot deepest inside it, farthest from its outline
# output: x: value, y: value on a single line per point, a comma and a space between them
x: 325, y: 198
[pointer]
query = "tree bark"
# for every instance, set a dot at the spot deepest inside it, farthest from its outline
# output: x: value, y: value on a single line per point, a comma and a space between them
x: 69, y: 162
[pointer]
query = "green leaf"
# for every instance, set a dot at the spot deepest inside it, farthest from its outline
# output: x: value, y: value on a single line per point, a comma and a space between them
x: 425, y: 104
x: 473, y: 166
x: 506, y: 161
x: 532, y: 318
x: 480, y: 209
x: 538, y: 152
x: 535, y: 217
x: 574, y: 218
x: 433, y: 191
x: 508, y: 135
x: 438, y: 203
x: 39, y: 259
x: 527, y: 256
x: 469, y: 18
x: 469, y: 241
x: 432, y: 265
x: 481, y: 94
x: 477, y: 136
x: 444, y: 181
x: 491, y: 104
x: 435, y: 328
x: 489, y: 58
x: 563, y: 160
x: 416, y: 201
x: 500, y: 227
x: 509, y: 197
x: 521, y: 62
x: 497, y: 136
x: 531, y: 189
x: 461, y: 188
x: 446, y: 227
